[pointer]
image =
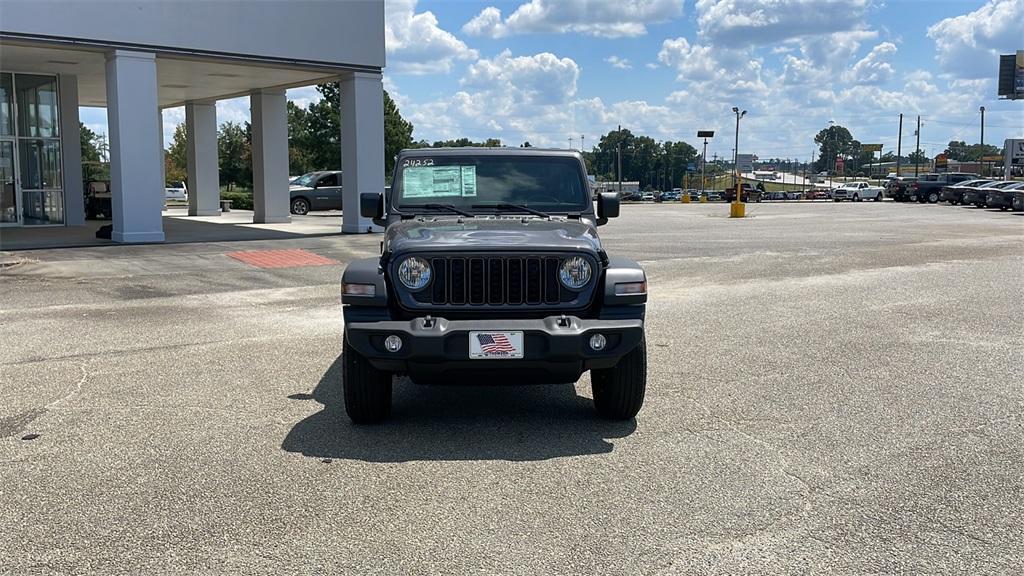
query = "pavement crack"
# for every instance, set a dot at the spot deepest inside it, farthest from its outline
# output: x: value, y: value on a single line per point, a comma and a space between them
x: 84, y: 367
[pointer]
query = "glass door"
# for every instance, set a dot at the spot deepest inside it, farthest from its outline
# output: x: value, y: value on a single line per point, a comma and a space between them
x: 9, y: 193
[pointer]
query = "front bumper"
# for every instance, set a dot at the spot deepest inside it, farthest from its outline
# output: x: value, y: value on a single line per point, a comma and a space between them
x: 555, y: 349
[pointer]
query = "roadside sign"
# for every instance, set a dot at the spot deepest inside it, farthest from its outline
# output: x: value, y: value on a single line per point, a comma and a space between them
x: 991, y: 158
x: 871, y: 147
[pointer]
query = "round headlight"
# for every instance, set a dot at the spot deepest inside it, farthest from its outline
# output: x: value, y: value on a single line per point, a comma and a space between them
x: 414, y: 272
x: 574, y: 273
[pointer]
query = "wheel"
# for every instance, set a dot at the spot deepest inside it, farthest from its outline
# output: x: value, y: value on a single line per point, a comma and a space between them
x: 913, y: 198
x: 933, y: 198
x: 367, y: 389
x: 1002, y: 208
x: 300, y: 206
x: 856, y: 197
x: 835, y: 200
x: 878, y: 198
x: 619, y: 390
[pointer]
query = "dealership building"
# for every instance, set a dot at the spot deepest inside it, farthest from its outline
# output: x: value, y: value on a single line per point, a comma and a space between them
x: 138, y: 57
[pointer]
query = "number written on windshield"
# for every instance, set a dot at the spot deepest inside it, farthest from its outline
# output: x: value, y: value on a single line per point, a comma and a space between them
x: 417, y: 162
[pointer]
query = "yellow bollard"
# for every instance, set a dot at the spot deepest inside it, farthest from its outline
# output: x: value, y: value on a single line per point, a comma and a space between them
x: 703, y: 199
x: 737, y: 209
x: 686, y: 198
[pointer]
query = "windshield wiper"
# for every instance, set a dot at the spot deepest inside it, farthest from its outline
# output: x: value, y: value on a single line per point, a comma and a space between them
x: 508, y: 206
x: 447, y: 207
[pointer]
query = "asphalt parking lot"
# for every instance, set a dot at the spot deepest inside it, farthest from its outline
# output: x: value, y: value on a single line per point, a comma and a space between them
x: 832, y: 388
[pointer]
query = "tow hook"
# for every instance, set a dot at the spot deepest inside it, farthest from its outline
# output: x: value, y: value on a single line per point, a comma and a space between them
x: 428, y: 322
x: 563, y: 322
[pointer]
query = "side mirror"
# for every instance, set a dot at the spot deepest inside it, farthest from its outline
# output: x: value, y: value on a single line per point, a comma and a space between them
x: 371, y: 205
x: 607, y: 207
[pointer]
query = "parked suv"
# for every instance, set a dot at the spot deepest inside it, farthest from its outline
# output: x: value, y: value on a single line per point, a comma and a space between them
x: 491, y: 271
x: 316, y: 191
x: 899, y: 188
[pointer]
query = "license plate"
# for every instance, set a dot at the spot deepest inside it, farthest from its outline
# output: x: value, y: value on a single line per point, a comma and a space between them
x: 495, y: 345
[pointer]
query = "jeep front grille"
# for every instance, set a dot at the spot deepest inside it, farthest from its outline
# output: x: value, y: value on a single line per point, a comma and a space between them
x: 496, y: 281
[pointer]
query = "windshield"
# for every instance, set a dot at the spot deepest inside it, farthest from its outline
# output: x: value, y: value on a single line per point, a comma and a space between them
x: 305, y: 180
x: 549, y: 184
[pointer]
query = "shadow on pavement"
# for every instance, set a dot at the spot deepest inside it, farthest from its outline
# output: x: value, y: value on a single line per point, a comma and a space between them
x: 459, y: 422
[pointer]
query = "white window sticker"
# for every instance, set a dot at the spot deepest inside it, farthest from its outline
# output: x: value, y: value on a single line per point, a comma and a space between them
x: 438, y: 181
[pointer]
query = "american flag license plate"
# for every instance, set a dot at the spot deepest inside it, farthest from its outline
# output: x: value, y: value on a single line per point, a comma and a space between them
x: 492, y: 345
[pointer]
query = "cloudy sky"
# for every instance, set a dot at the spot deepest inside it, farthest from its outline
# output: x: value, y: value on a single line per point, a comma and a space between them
x: 549, y: 70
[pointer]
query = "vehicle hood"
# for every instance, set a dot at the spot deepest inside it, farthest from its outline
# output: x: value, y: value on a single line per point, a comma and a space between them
x: 491, y: 233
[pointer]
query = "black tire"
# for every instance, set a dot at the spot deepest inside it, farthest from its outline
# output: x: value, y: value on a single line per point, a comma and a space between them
x: 300, y: 206
x: 835, y: 200
x: 619, y: 390
x: 913, y: 198
x: 878, y: 198
x: 933, y: 198
x: 367, y: 389
x: 856, y: 197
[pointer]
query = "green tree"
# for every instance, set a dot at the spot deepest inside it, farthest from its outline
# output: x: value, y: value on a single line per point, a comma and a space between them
x: 832, y: 141
x: 314, y: 133
x: 176, y: 169
x: 918, y: 157
x: 234, y: 155
x: 397, y: 133
x: 91, y: 157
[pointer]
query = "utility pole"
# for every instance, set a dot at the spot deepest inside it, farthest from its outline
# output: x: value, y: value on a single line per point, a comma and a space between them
x: 618, y: 152
x: 570, y: 142
x: 917, y: 153
x: 582, y: 145
x: 899, y: 147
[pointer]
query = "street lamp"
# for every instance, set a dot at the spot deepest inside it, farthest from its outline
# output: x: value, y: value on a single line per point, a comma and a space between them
x: 982, y: 140
x: 705, y: 134
x: 737, y: 209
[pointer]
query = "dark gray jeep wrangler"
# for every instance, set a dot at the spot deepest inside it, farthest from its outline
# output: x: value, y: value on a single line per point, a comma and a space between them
x: 491, y: 271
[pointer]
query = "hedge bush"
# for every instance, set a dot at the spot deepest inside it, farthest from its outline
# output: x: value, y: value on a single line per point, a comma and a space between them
x: 239, y: 200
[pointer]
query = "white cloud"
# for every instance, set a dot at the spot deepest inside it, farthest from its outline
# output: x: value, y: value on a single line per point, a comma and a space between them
x: 692, y: 61
x: 602, y: 18
x: 822, y: 59
x: 876, y: 67
x: 968, y: 45
x: 755, y: 22
x: 539, y: 79
x: 416, y: 44
x: 618, y: 62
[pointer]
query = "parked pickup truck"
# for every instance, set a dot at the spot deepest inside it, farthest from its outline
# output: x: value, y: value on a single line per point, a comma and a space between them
x: 747, y: 193
x: 928, y: 187
x: 857, y: 191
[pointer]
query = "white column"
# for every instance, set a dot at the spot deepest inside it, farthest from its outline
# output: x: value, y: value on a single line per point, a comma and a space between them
x: 71, y: 150
x: 270, y: 156
x: 203, y: 171
x: 137, y: 192
x: 362, y: 145
x: 163, y: 153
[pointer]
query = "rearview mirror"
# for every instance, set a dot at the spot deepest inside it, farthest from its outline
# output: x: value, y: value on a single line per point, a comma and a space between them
x: 607, y: 207
x: 371, y: 205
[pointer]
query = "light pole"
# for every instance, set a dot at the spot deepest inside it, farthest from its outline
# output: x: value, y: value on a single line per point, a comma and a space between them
x: 982, y: 140
x: 830, y: 162
x: 705, y: 134
x: 737, y: 209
